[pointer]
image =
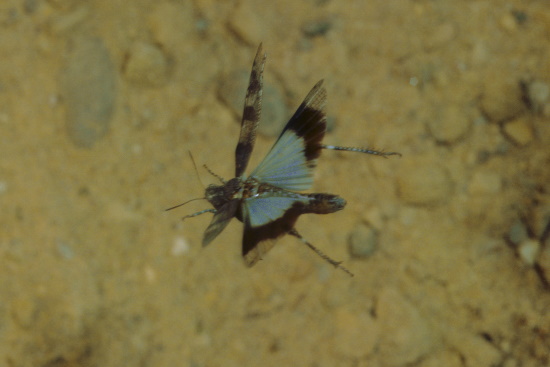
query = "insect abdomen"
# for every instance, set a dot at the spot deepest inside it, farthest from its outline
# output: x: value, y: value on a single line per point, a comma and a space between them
x: 324, y: 204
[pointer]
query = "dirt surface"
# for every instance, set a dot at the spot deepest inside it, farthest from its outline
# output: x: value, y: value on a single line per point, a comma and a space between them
x: 101, y: 100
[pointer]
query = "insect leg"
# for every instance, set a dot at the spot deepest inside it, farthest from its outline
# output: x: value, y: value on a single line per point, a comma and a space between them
x: 360, y: 150
x: 199, y: 213
x: 325, y: 257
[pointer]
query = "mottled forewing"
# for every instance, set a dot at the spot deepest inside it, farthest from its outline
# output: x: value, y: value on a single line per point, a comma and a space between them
x: 251, y: 114
x: 290, y: 163
x: 220, y: 220
x: 266, y: 219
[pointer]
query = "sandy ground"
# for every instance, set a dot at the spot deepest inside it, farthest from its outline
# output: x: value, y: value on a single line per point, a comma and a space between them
x: 100, y: 102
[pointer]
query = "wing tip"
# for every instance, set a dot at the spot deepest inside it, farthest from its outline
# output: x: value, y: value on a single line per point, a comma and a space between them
x: 251, y: 258
x: 260, y: 54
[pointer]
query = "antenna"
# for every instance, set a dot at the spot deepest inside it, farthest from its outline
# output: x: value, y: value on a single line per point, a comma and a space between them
x: 213, y: 174
x: 182, y: 204
x: 195, y: 166
x: 198, y: 177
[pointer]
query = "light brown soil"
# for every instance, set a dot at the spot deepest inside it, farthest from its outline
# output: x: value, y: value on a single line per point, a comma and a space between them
x: 100, y: 102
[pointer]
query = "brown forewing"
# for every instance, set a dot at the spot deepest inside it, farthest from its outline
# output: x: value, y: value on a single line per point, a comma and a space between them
x: 251, y: 114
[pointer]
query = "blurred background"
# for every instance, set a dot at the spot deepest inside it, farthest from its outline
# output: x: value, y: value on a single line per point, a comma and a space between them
x: 101, y: 101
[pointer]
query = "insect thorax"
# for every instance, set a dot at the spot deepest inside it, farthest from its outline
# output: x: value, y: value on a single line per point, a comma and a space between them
x: 253, y: 188
x: 218, y: 195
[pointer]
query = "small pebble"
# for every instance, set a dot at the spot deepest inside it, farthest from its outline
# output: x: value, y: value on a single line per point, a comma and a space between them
x: 501, y: 99
x: 65, y: 250
x: 3, y: 187
x: 520, y: 16
x: 450, y: 124
x: 528, y: 251
x: 30, y: 6
x: 331, y: 123
x: 362, y: 241
x: 180, y: 246
x: 519, y: 131
x: 202, y: 25
x: 538, y: 95
x: 316, y: 28
x: 150, y: 274
x: 423, y: 183
x: 508, y: 22
x: 147, y: 65
x: 517, y: 232
x: 89, y: 90
x: 485, y: 183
